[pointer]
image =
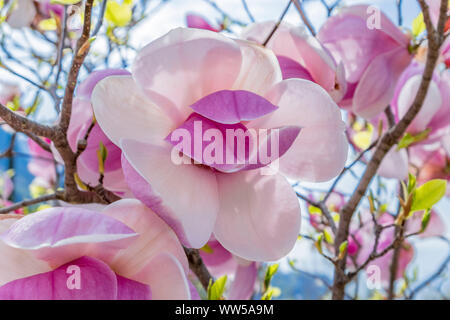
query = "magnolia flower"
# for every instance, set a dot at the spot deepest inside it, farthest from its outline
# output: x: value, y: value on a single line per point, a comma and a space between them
x: 432, y: 162
x: 301, y: 55
x: 243, y: 273
x: 193, y: 78
x: 362, y: 241
x: 198, y: 22
x: 24, y: 12
x: 123, y: 252
x: 373, y: 58
x: 9, y: 97
x: 41, y: 164
x: 434, y: 116
x: 435, y: 111
x: 80, y: 123
x: 6, y: 186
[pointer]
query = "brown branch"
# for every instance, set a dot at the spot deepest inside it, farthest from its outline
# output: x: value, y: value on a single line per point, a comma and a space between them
x: 277, y: 25
x: 23, y: 124
x: 80, y: 54
x: 26, y: 203
x: 389, y: 139
x: 198, y: 267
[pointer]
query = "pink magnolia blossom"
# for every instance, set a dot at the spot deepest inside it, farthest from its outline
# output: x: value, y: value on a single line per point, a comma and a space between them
x: 6, y: 186
x: 301, y: 55
x: 8, y: 93
x: 80, y: 122
x: 194, y: 76
x: 26, y: 12
x: 41, y: 164
x: 432, y: 162
x: 123, y: 252
x: 198, y: 22
x: 242, y: 274
x: 434, y: 116
x: 373, y: 58
x: 435, y: 111
x: 362, y: 241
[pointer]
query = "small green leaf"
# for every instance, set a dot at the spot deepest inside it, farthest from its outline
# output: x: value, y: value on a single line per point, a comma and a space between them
x: 216, y: 289
x: 425, y: 220
x: 318, y: 243
x: 428, y: 194
x: 411, y: 183
x: 418, y: 25
x: 342, y: 250
x: 102, y: 154
x: 409, y: 139
x: 270, y: 272
x: 268, y: 294
x: 328, y: 237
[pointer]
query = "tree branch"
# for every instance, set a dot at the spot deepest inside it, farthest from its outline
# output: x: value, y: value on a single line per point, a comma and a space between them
x: 388, y: 140
x: 198, y: 267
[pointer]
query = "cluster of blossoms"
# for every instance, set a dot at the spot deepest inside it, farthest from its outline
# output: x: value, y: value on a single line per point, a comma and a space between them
x: 296, y: 84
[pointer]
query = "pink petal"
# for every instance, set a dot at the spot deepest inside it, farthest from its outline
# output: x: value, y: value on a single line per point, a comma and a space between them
x: 394, y: 164
x: 61, y: 234
x: 259, y: 217
x: 243, y: 285
x: 387, y: 26
x: 430, y: 107
x: 23, y: 14
x: 233, y: 106
x: 436, y: 226
x: 292, y: 69
x: 169, y: 191
x: 132, y: 290
x: 155, y: 237
x: 85, y: 88
x: 97, y: 282
x: 233, y: 148
x: 376, y: 87
x: 187, y: 59
x: 196, y: 21
x: 220, y: 261
x: 16, y: 264
x: 295, y: 43
x: 166, y: 278
x: 320, y: 150
x: 259, y: 69
x: 89, y: 156
x: 349, y: 40
x: 123, y: 112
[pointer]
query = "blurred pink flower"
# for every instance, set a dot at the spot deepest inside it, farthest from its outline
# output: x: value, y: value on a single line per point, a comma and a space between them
x: 373, y: 58
x: 41, y: 163
x: 301, y: 55
x: 192, y: 75
x: 26, y: 12
x: 361, y: 243
x: 123, y: 252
